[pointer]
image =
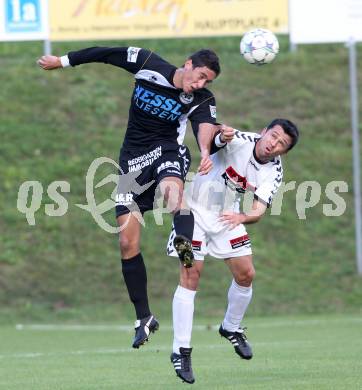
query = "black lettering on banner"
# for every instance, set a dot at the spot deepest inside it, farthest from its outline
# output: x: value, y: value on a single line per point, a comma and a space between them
x: 233, y: 23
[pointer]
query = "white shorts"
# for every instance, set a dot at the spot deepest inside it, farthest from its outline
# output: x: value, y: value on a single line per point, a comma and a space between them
x: 212, y: 238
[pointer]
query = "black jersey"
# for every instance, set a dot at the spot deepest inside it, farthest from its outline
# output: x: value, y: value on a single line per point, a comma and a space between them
x: 158, y: 111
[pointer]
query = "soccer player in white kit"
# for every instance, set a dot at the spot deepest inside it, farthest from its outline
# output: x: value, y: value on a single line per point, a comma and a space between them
x: 244, y: 162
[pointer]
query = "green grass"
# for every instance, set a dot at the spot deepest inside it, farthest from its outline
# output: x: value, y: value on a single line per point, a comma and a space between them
x: 316, y: 352
x: 54, y: 124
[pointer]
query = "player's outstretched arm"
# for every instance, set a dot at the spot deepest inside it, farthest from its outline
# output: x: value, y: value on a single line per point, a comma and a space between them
x: 129, y: 58
x: 49, y: 62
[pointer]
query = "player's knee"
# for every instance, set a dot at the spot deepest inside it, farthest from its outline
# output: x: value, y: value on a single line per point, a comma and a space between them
x: 128, y: 245
x: 194, y: 276
x: 190, y: 278
x: 172, y: 194
x: 246, y: 277
x: 173, y: 200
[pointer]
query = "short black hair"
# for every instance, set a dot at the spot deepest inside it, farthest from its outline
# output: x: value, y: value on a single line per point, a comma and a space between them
x: 289, y: 128
x: 206, y: 57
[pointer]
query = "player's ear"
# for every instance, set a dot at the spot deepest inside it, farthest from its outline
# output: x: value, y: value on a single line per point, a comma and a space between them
x: 188, y: 64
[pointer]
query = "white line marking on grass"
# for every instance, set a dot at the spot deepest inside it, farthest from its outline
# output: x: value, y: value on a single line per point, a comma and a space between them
x: 129, y: 328
x: 122, y: 328
x: 154, y: 349
x: 308, y: 322
x: 30, y: 355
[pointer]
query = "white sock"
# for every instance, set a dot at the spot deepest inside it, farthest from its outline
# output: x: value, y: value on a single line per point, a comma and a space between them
x: 239, y: 298
x: 182, y: 313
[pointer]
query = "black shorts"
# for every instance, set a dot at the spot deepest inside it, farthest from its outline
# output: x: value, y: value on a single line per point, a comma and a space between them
x: 141, y: 173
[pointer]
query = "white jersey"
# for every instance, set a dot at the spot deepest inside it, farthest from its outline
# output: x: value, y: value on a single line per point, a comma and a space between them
x: 235, y: 171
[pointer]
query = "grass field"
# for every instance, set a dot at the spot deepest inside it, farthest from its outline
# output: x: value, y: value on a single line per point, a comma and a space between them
x: 316, y: 352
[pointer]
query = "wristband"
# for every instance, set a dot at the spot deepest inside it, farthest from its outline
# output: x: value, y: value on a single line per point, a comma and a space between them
x: 64, y: 61
x: 218, y: 141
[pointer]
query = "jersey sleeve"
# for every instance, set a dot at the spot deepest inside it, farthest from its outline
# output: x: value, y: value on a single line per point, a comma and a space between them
x: 241, y: 138
x: 216, y: 143
x: 131, y: 59
x: 269, y: 187
x: 203, y: 112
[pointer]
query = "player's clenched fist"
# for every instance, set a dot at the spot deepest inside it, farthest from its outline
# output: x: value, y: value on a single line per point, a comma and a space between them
x: 227, y: 133
x: 49, y: 62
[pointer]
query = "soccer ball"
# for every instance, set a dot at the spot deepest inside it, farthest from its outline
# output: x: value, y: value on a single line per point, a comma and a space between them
x: 259, y: 46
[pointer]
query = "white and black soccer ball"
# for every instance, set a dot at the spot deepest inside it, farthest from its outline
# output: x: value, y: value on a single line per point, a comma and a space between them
x: 259, y: 46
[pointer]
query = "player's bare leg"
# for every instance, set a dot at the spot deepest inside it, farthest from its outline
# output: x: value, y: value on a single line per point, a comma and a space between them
x: 135, y: 276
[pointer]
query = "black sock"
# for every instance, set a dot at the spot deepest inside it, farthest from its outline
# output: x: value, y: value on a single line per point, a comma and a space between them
x: 135, y: 276
x: 183, y: 222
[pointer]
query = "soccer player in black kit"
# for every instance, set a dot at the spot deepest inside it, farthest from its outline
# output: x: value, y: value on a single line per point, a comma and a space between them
x: 163, y: 99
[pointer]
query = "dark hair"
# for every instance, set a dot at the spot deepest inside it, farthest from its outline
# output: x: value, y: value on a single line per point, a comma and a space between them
x: 289, y: 128
x: 206, y: 57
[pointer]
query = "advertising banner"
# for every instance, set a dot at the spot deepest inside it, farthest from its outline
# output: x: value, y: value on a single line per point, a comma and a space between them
x: 331, y: 21
x: 22, y: 20
x: 124, y: 19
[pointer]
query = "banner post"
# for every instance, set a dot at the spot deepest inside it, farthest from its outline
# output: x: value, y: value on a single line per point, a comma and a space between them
x: 348, y: 16
x: 356, y: 151
x: 47, y: 47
